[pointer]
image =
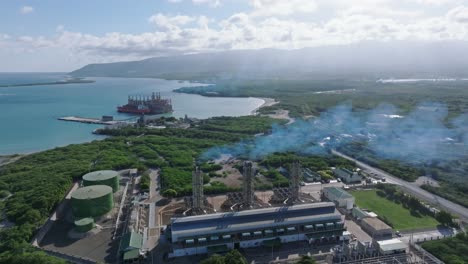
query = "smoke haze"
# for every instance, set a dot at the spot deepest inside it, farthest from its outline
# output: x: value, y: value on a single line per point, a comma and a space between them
x: 420, y: 136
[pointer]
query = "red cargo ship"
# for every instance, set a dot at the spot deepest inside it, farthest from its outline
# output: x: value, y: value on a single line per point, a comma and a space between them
x: 148, y: 105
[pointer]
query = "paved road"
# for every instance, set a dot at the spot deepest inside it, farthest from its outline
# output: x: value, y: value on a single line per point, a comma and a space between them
x: 413, y: 189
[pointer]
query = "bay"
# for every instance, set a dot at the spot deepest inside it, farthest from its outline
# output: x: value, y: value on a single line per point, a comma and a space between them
x: 28, y: 114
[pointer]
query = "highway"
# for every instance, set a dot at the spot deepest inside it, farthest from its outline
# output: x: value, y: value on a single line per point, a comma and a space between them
x: 413, y: 189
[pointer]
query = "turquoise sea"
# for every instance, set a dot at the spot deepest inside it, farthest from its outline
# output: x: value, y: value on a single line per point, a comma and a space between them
x: 28, y: 114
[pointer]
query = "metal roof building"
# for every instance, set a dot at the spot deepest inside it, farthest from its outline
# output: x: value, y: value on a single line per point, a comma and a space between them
x: 376, y: 228
x: 200, y: 234
x: 392, y: 246
x: 339, y: 196
x: 130, y: 246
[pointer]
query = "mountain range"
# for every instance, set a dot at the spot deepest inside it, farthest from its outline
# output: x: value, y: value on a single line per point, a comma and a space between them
x: 362, y: 60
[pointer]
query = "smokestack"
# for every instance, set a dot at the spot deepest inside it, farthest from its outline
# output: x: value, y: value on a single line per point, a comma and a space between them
x: 197, y: 189
x: 294, y: 181
x: 248, y: 192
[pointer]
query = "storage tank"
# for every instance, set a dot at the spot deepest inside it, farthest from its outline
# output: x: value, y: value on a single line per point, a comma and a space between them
x: 92, y: 201
x: 104, y: 177
x: 84, y: 224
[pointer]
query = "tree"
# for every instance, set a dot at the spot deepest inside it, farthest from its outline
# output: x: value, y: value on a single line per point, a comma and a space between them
x: 234, y: 257
x: 214, y: 259
x: 306, y: 260
x: 4, y: 194
x: 31, y: 258
x: 444, y: 218
x: 170, y: 193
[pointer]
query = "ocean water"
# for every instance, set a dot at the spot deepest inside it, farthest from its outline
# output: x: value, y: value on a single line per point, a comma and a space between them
x: 28, y: 114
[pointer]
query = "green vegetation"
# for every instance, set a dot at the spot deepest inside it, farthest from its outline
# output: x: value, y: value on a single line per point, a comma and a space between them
x: 39, y: 181
x: 300, y: 96
x: 450, y: 250
x: 306, y: 260
x: 169, y: 193
x: 394, y: 212
x: 35, y: 257
x: 451, y: 175
x: 4, y: 194
x: 145, y: 182
x: 359, y: 150
x: 316, y: 163
x: 232, y: 257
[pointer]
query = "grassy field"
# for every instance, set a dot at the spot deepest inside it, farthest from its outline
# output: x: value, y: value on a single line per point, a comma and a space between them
x: 400, y: 217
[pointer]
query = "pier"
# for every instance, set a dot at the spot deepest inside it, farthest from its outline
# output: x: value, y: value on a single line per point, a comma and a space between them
x: 95, y: 121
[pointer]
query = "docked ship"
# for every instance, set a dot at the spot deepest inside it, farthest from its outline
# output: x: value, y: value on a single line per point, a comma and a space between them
x: 146, y: 105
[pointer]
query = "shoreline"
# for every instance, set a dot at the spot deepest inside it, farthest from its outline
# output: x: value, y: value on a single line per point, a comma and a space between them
x: 266, y: 102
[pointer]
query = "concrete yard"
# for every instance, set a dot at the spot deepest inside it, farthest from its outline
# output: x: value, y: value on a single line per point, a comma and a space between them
x: 99, y: 247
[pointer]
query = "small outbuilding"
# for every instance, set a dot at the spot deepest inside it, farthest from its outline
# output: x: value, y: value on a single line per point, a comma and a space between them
x: 339, y: 196
x: 130, y: 241
x: 376, y: 228
x: 347, y: 176
x: 310, y: 176
x: 392, y: 246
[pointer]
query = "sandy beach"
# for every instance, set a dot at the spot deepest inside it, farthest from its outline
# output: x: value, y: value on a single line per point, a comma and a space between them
x: 266, y: 102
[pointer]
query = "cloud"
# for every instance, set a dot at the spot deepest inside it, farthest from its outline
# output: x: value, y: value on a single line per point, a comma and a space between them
x: 267, y: 24
x: 26, y: 10
x: 165, y: 22
x: 459, y: 14
x: 213, y: 3
x: 281, y: 7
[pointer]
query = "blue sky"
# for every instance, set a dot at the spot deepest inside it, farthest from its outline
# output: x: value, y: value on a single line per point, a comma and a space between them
x: 99, y: 17
x: 57, y: 35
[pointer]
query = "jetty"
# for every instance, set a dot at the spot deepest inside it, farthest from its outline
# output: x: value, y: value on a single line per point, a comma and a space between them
x: 105, y: 120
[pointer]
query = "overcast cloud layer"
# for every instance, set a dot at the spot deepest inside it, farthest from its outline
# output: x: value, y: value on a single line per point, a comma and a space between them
x: 281, y: 24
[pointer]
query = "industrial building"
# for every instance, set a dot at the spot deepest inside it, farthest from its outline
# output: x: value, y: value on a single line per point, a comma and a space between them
x: 103, y: 177
x: 339, y: 196
x: 130, y: 247
x: 213, y: 233
x: 376, y: 228
x: 92, y: 201
x: 310, y: 176
x: 347, y: 176
x: 391, y: 246
x: 359, y: 214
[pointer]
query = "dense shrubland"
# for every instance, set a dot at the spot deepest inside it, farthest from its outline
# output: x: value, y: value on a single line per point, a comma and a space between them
x: 450, y: 250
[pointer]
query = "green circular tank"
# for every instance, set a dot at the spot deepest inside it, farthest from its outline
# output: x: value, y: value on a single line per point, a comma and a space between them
x: 84, y: 224
x: 92, y: 201
x: 104, y: 177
